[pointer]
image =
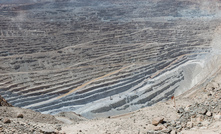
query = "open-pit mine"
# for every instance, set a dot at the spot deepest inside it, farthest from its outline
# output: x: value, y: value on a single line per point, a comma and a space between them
x: 100, y: 58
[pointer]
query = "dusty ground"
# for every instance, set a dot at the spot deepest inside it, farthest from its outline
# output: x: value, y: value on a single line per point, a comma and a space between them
x: 139, y: 122
x: 14, y: 120
x: 49, y: 51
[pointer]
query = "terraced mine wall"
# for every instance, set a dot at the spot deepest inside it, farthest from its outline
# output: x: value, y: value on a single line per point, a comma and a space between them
x: 103, y: 58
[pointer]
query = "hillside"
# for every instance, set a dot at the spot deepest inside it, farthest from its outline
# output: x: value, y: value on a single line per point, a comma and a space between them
x: 197, y: 111
x: 105, y: 58
x: 119, y: 61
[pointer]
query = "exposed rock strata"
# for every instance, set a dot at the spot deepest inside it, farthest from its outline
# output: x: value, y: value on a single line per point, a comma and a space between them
x: 103, y: 58
x: 187, y: 117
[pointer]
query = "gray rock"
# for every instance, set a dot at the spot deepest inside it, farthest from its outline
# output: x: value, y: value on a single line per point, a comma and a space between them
x: 180, y: 110
x: 209, y: 114
x: 157, y: 121
x: 173, y: 132
x: 178, y: 127
x: 202, y: 111
x: 6, y: 120
x: 199, y: 124
x: 166, y: 131
x: 189, y: 125
x: 166, y: 125
x: 150, y: 132
x: 20, y: 116
x: 47, y: 131
x: 173, y: 123
x: 58, y: 127
x: 193, y: 113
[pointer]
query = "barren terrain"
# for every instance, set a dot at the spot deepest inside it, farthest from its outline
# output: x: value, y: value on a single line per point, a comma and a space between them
x: 104, y: 58
x: 192, y: 121
x: 107, y: 58
x: 197, y: 111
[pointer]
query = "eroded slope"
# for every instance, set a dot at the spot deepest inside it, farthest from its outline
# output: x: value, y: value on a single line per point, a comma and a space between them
x: 103, y: 58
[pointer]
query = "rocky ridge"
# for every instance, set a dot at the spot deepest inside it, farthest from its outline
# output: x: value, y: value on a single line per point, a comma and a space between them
x: 14, y: 120
x: 3, y: 102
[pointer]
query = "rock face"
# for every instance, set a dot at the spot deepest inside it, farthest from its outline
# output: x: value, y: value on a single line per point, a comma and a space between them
x: 105, y: 57
x: 3, y: 102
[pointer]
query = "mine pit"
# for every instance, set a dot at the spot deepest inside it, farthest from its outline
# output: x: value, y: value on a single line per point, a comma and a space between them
x: 105, y: 57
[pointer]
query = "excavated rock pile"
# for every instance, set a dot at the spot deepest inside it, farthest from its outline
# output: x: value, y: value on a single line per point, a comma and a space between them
x: 12, y: 123
x: 196, y: 116
x: 14, y: 120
